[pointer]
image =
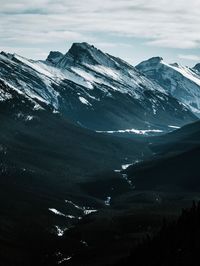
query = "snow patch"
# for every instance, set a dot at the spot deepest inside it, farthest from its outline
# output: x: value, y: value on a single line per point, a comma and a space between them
x: 175, y: 127
x: 4, y: 96
x: 84, y: 101
x: 85, y: 75
x: 125, y: 176
x: 135, y: 131
x: 64, y: 259
x: 59, y: 231
x: 117, y: 171
x: 34, y: 65
x: 84, y: 243
x: 107, y: 201
x: 29, y: 118
x: 85, y: 210
x: 185, y: 71
x: 108, y: 71
x: 62, y: 214
x: 125, y: 166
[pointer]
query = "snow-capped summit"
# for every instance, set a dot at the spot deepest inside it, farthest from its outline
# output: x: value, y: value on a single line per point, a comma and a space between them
x: 84, y: 53
x: 152, y: 62
x: 181, y: 82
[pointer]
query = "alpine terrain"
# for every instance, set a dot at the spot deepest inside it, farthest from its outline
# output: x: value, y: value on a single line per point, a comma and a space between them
x: 94, y: 152
x: 94, y: 90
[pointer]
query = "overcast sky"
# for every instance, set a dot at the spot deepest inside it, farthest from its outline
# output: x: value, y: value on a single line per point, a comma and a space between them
x: 131, y: 29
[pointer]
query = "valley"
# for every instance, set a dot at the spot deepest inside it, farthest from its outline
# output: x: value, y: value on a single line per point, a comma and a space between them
x: 94, y: 154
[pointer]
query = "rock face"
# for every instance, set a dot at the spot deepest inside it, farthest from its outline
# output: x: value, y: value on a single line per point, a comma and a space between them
x: 197, y: 67
x: 93, y: 89
x: 181, y: 82
x: 54, y: 57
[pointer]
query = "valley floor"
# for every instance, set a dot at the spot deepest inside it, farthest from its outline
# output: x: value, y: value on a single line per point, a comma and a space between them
x: 100, y: 238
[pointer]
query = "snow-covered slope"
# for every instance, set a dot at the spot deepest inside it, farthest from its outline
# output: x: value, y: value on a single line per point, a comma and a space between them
x: 93, y: 89
x: 29, y: 78
x: 181, y: 82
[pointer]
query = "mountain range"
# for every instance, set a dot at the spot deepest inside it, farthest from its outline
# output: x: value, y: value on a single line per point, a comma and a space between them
x: 95, y: 90
x: 180, y: 81
x: 89, y: 141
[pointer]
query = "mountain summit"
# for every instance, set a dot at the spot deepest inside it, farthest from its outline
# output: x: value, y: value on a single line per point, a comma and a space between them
x: 84, y: 53
x: 181, y: 82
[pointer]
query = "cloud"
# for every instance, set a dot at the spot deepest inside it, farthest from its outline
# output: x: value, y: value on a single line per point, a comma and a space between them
x: 161, y: 23
x: 190, y: 57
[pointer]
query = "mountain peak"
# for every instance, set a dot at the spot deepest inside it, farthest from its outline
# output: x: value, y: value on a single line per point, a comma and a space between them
x: 152, y: 62
x: 155, y: 60
x: 82, y: 45
x: 54, y: 57
x: 8, y: 55
x: 197, y: 67
x: 84, y: 53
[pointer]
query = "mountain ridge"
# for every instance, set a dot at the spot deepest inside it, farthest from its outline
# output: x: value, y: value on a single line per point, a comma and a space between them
x: 181, y: 82
x: 94, y: 89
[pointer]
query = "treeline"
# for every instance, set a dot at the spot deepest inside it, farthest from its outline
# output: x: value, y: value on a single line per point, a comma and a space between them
x: 176, y: 244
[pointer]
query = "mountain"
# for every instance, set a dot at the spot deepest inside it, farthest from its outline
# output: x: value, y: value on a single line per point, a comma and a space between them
x: 170, y: 173
x: 45, y: 160
x: 181, y: 82
x: 180, y: 140
x: 95, y: 90
x: 56, y: 172
x: 175, y: 165
x: 41, y: 136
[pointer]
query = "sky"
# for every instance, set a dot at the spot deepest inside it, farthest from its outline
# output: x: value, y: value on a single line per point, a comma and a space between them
x: 134, y: 30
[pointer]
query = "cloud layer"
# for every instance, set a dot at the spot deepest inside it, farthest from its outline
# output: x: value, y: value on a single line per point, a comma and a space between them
x: 160, y: 23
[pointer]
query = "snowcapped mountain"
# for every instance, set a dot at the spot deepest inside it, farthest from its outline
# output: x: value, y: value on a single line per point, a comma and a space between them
x: 181, y: 82
x: 56, y: 172
x: 93, y: 89
x: 45, y: 162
